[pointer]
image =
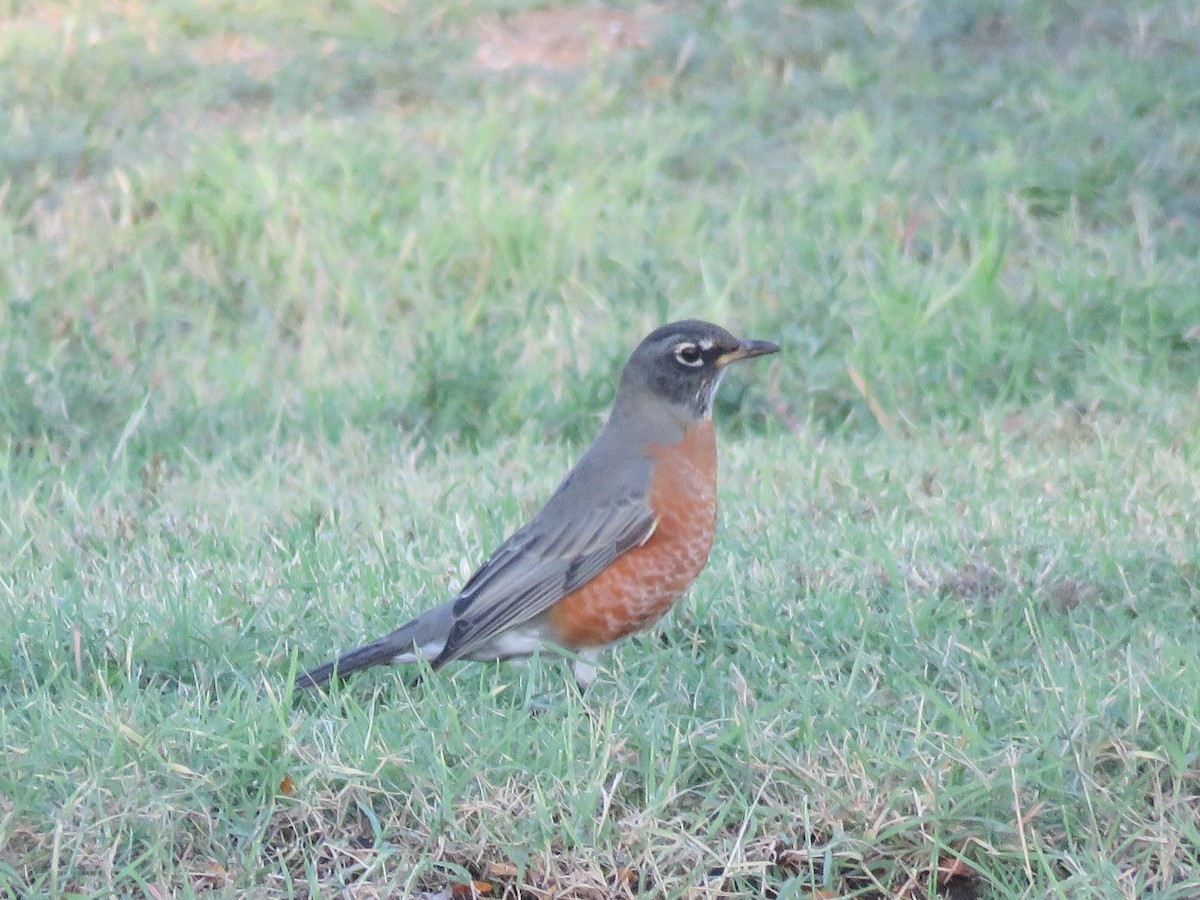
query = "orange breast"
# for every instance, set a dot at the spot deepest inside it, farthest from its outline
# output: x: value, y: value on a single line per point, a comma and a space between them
x: 639, y: 587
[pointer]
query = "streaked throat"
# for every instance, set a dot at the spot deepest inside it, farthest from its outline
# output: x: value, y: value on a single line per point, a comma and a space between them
x: 707, y: 394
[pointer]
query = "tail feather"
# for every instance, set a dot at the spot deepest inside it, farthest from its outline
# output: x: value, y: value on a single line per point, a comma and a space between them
x: 377, y: 652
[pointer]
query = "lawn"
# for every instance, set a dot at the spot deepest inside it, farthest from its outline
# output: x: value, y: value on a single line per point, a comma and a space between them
x: 305, y: 306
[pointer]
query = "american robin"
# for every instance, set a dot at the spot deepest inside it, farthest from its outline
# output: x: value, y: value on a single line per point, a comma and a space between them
x: 624, y: 535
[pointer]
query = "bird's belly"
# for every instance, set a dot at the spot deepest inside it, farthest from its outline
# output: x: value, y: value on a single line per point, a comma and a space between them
x: 513, y: 643
x: 639, y: 587
x: 518, y: 641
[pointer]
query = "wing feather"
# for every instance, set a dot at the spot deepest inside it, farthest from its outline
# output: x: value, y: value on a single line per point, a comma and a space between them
x: 535, y: 568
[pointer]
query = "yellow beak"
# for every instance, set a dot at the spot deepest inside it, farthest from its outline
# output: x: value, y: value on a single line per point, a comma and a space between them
x: 747, y: 350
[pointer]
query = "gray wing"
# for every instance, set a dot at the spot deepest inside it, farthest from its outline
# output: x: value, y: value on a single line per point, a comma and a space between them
x: 542, y: 563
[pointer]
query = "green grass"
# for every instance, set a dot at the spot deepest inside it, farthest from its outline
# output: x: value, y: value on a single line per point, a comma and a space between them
x: 301, y: 312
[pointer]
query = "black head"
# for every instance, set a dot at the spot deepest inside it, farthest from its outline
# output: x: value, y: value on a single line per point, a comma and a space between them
x: 683, y: 363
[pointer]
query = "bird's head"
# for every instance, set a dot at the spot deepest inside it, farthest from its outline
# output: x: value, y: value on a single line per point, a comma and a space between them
x: 682, y: 364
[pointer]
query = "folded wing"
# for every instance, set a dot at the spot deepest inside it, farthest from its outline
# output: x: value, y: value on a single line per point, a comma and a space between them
x: 540, y: 565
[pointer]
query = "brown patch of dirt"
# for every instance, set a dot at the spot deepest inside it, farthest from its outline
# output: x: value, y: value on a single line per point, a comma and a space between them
x: 977, y: 580
x: 562, y: 38
x: 259, y: 60
x: 1068, y: 593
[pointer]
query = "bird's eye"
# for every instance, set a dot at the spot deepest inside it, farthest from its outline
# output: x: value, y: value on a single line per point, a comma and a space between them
x: 689, y: 355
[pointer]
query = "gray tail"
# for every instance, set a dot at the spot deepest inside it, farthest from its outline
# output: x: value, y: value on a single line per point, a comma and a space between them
x: 379, y: 651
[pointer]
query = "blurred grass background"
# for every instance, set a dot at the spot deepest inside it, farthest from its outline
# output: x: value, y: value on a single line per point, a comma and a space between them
x: 215, y: 205
x: 304, y: 306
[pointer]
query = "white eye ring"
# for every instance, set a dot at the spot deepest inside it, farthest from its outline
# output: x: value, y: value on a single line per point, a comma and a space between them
x: 689, y: 355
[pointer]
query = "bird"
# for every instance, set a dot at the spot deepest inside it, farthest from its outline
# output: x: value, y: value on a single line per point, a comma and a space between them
x: 622, y: 537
